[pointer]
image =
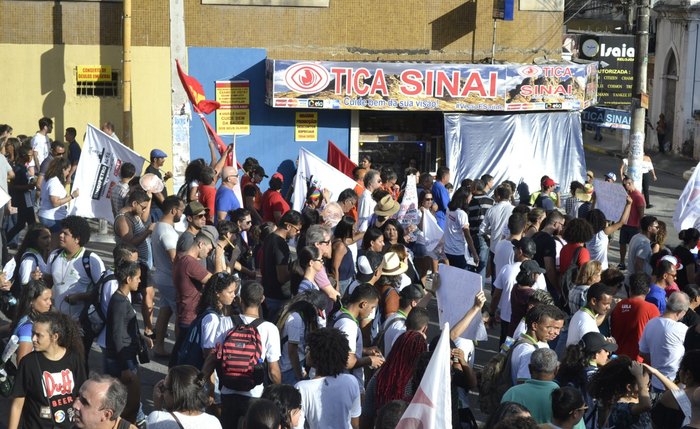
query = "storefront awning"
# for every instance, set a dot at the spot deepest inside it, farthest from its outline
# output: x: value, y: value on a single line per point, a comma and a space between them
x: 430, y: 87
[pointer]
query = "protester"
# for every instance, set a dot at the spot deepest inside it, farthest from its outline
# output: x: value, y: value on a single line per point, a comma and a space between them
x: 587, y: 319
x: 689, y: 241
x: 633, y: 224
x: 100, y: 403
x: 543, y: 324
x: 342, y: 260
x: 226, y: 199
x: 458, y: 239
x: 598, y: 245
x: 288, y: 401
x: 441, y: 195
x: 672, y: 408
x: 631, y: 315
x: 35, y: 299
x: 479, y: 205
x: 196, y: 216
x: 273, y: 204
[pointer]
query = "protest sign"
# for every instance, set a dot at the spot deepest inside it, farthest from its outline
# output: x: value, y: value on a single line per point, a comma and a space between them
x: 455, y: 297
x: 313, y: 171
x: 98, y: 171
x: 610, y: 198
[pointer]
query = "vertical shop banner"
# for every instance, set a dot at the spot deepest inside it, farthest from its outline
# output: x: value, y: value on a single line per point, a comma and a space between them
x: 98, y: 171
x: 615, y: 55
x: 306, y: 126
x: 233, y: 117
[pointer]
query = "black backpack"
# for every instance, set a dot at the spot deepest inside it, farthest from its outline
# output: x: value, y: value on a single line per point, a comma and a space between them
x: 190, y: 352
x: 568, y: 280
x: 92, y: 318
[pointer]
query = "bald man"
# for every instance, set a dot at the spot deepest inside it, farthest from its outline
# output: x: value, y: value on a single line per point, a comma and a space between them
x: 226, y: 199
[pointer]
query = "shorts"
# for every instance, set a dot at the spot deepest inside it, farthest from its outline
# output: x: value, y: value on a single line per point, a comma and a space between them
x: 145, y: 277
x: 627, y: 232
x: 53, y: 225
x: 111, y: 366
x: 167, y: 297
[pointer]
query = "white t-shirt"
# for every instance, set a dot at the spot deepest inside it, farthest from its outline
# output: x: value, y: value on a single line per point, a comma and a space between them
x: 163, y: 420
x: 456, y: 223
x: 503, y: 255
x: 214, y: 329
x: 29, y: 264
x: 270, y: 338
x: 639, y: 247
x: 164, y: 238
x: 40, y: 144
x: 52, y: 188
x: 520, y: 360
x: 663, y: 340
x: 581, y: 323
x: 396, y: 327
x: 108, y: 289
x: 598, y: 248
x: 70, y: 277
x: 295, y: 332
x: 350, y: 328
x: 505, y: 280
x: 495, y: 222
x: 365, y: 210
x: 520, y: 329
x: 329, y: 402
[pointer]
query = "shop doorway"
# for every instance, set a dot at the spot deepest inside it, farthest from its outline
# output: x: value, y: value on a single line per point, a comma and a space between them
x: 402, y: 139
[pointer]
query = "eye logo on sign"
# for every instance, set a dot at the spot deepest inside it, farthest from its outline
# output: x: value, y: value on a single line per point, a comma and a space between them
x: 529, y: 71
x: 306, y: 78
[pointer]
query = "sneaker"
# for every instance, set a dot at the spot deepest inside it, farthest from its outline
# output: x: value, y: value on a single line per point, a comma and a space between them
x: 621, y: 266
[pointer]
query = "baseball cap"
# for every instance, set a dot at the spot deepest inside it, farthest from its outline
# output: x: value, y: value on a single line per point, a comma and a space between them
x: 672, y: 259
x: 527, y: 245
x: 531, y: 266
x: 194, y: 208
x: 611, y: 176
x: 594, y: 342
x: 278, y: 176
x: 548, y: 182
x: 157, y: 153
x: 211, y: 233
x: 258, y: 169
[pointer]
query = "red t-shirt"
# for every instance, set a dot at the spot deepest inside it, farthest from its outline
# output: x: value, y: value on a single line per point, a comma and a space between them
x: 207, y: 196
x: 638, y: 202
x: 567, y: 253
x: 627, y: 323
x: 188, y: 276
x: 272, y: 202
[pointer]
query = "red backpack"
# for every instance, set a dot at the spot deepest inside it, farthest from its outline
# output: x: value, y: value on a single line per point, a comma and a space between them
x: 240, y: 359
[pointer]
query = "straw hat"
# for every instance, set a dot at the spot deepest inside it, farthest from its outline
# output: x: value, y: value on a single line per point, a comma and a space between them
x: 386, y: 207
x: 392, y: 265
x: 586, y: 193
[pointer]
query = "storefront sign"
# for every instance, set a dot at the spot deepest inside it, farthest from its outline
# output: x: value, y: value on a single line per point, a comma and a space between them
x: 441, y: 87
x: 233, y: 117
x: 607, y: 118
x: 94, y: 73
x: 306, y: 127
x: 615, y: 55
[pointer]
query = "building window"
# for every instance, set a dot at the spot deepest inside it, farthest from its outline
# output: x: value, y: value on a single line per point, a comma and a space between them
x: 99, y: 88
x: 286, y: 3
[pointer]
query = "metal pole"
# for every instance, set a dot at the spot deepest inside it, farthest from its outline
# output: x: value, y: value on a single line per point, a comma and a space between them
x: 493, y: 43
x: 126, y: 96
x: 639, y: 91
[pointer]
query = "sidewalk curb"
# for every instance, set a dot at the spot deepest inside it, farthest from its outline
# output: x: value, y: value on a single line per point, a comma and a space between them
x: 620, y: 155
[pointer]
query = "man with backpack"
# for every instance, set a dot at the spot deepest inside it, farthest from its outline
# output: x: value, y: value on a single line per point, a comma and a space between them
x: 587, y: 319
x: 544, y: 322
x: 254, y: 342
x: 74, y: 271
x: 362, y: 304
x: 397, y: 323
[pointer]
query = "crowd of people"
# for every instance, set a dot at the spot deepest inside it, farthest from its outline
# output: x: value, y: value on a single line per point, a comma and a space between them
x: 318, y: 318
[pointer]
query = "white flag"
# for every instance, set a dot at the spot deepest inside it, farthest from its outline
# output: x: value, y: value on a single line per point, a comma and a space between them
x: 98, y: 171
x: 431, y: 406
x: 687, y: 214
x: 321, y: 175
x: 432, y: 233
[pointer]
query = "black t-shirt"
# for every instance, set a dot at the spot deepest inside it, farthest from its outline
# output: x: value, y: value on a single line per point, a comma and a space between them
x: 692, y: 339
x: 275, y: 252
x: 686, y: 258
x: 546, y: 247
x: 49, y: 389
x: 691, y: 318
x: 21, y: 178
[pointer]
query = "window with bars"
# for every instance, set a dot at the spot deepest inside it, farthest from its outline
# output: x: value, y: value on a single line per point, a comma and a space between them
x: 99, y: 89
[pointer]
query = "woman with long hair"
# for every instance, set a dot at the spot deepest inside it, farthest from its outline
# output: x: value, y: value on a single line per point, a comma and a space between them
x: 393, y: 233
x: 689, y: 240
x: 427, y: 209
x: 49, y: 378
x: 303, y: 314
x: 54, y: 198
x: 370, y: 256
x: 31, y: 257
x: 598, y: 245
x: 457, y: 237
x: 659, y: 244
x: 288, y: 401
x: 309, y: 262
x: 180, y: 400
x: 342, y: 259
x: 216, y: 307
x: 35, y: 299
x: 389, y: 383
x: 588, y: 274
x: 621, y: 389
x: 535, y: 217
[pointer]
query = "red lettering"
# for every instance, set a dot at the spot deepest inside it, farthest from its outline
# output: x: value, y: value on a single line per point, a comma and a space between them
x: 58, y: 384
x: 339, y: 72
x: 411, y: 83
x: 358, y: 81
x: 473, y: 84
x: 379, y: 83
x: 429, y: 82
x: 444, y: 82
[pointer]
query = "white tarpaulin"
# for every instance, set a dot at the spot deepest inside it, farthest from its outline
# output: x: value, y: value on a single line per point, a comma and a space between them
x: 98, y: 171
x: 520, y: 147
x: 321, y: 175
x: 687, y: 213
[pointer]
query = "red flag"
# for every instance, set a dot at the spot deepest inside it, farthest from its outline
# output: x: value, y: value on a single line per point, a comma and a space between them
x: 339, y: 160
x: 195, y: 93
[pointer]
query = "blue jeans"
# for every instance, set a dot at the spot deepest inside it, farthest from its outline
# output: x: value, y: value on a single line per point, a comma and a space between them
x: 482, y: 248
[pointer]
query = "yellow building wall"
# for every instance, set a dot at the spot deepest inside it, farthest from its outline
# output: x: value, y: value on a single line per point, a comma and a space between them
x: 35, y: 85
